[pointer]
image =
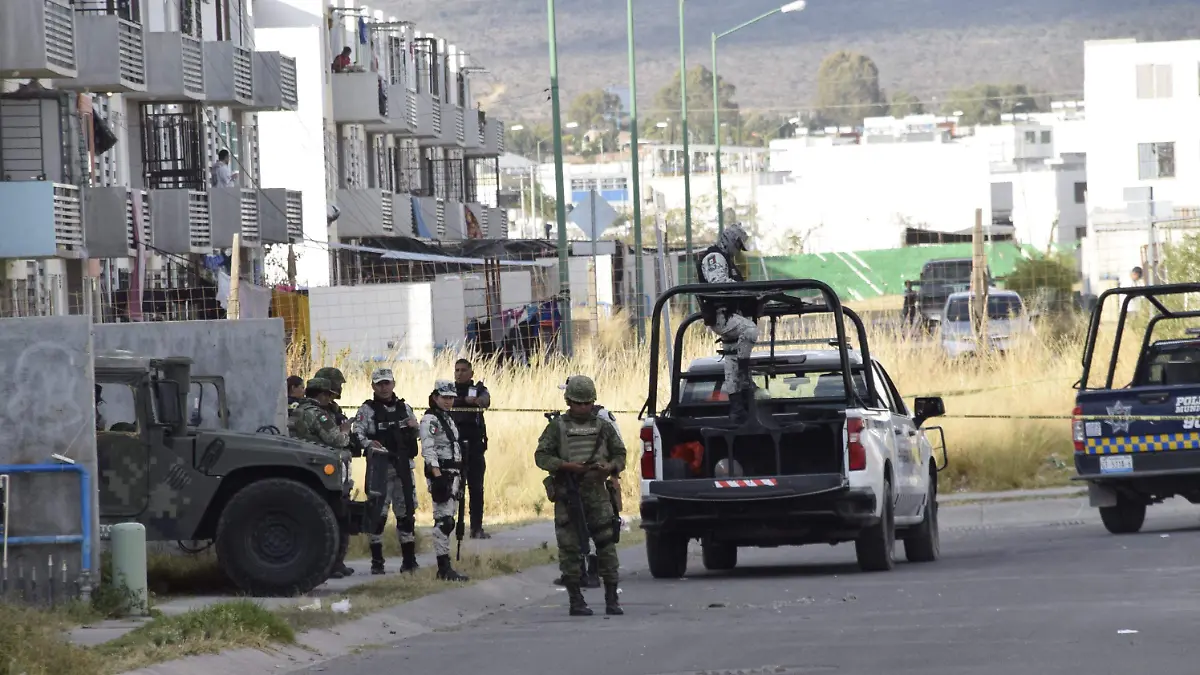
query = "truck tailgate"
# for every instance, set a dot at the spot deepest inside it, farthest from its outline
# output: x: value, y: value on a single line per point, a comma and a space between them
x: 748, y: 489
x: 1121, y: 436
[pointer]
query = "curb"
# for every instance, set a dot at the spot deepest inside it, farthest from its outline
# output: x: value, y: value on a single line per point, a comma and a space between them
x: 445, y: 609
x: 1043, y: 493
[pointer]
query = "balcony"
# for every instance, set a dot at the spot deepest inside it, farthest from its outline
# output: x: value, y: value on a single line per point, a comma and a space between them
x: 228, y: 74
x: 175, y: 69
x: 493, y: 138
x: 179, y: 221
x: 428, y: 116
x: 275, y: 82
x: 366, y: 212
x: 497, y: 223
x: 280, y: 216
x: 430, y: 217
x: 401, y: 112
x: 454, y: 227
x: 112, y: 54
x: 233, y: 210
x: 40, y: 220
x: 37, y: 39
x: 357, y: 99
x: 448, y: 120
x: 473, y: 138
x: 109, y: 218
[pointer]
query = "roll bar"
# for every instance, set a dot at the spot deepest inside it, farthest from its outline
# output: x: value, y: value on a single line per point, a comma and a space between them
x: 1151, y: 294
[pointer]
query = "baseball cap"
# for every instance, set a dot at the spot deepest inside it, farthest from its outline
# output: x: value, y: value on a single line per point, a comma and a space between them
x: 445, y: 388
x: 382, y: 375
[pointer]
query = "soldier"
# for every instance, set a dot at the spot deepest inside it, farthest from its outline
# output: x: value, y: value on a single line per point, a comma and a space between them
x: 442, y: 452
x: 336, y: 380
x: 387, y: 422
x: 473, y: 427
x: 717, y: 266
x: 582, y: 446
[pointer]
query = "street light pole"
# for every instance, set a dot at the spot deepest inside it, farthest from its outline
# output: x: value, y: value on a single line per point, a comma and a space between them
x: 639, y: 288
x: 560, y: 206
x: 795, y: 6
x: 687, y: 160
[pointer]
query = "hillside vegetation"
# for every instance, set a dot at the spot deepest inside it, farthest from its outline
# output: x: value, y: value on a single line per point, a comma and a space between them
x: 925, y: 47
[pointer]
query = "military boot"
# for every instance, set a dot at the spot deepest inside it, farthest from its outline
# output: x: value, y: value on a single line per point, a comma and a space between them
x: 611, y: 605
x: 409, y: 551
x: 377, y: 558
x: 446, y: 572
x: 578, y: 604
x: 591, y: 577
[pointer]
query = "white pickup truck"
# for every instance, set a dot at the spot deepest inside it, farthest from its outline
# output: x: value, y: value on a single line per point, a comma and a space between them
x: 822, y: 458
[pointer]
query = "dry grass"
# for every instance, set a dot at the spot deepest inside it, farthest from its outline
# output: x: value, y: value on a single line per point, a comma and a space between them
x: 985, y: 454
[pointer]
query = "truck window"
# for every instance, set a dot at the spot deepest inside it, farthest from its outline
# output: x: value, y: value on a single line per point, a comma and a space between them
x: 1178, y: 366
x: 117, y: 410
x: 797, y: 385
x: 1000, y: 307
x: 204, y: 406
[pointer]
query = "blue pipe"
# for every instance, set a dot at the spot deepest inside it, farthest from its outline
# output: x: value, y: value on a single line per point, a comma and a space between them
x: 85, y: 511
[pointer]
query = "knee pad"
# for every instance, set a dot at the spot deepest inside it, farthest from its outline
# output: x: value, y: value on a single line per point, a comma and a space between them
x: 445, y: 524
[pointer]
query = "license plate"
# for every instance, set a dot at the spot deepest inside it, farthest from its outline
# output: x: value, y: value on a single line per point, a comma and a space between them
x: 1116, y: 464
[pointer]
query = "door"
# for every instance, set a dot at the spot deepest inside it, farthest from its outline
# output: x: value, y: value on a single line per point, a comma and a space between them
x: 910, y: 458
x: 122, y: 453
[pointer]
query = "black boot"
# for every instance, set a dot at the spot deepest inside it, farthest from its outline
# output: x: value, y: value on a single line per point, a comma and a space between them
x: 591, y: 577
x: 377, y: 558
x: 446, y: 572
x: 739, y: 406
x: 409, y: 552
x: 578, y: 605
x: 611, y: 606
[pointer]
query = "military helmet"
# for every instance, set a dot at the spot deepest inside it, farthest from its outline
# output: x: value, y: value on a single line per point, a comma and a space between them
x: 733, y: 238
x: 318, y: 385
x: 334, y: 376
x: 580, y: 389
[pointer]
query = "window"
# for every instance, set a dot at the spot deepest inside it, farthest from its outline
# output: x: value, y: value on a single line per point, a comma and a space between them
x: 1081, y: 193
x: 999, y: 307
x: 117, y: 408
x: 1156, y: 160
x: 1153, y: 81
x: 1080, y: 232
x: 1045, y: 137
x: 204, y: 407
x: 1031, y: 137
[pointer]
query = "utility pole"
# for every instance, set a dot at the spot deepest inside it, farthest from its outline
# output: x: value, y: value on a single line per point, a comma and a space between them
x: 560, y: 207
x: 639, y: 283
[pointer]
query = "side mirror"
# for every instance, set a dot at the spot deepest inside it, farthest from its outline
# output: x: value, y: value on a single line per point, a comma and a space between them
x: 166, y: 393
x: 927, y: 407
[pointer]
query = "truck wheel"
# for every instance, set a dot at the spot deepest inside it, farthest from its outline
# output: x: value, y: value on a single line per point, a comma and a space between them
x: 667, y: 555
x: 718, y: 556
x: 1124, y: 518
x: 923, y: 544
x: 875, y: 544
x: 277, y: 537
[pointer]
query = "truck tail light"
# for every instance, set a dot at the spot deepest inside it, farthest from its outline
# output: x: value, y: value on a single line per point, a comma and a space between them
x: 647, y: 436
x: 857, y: 451
x: 1077, y: 429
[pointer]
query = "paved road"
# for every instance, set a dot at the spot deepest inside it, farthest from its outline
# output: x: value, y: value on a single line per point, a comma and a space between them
x: 1046, y: 593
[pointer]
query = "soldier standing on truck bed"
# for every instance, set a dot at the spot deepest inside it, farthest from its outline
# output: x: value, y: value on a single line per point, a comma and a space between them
x: 387, y: 422
x: 336, y: 380
x: 717, y: 266
x: 581, y: 451
x: 442, y: 451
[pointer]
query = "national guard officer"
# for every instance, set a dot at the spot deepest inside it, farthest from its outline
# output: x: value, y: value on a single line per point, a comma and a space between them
x: 388, y: 423
x: 443, y: 455
x: 580, y: 450
x: 336, y: 380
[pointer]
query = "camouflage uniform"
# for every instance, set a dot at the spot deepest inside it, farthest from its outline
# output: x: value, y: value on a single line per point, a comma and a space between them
x: 378, y: 422
x: 310, y: 422
x: 441, y: 449
x: 586, y: 440
x: 336, y: 380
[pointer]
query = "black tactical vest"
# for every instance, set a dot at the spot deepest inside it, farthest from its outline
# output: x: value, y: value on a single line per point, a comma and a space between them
x: 389, y: 430
x: 710, y: 304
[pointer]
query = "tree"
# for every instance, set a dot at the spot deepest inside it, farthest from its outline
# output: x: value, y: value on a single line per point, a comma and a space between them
x: 985, y: 103
x: 700, y: 102
x: 848, y: 89
x: 1044, y: 282
x: 596, y: 109
x: 524, y: 141
x: 758, y: 129
x: 904, y: 104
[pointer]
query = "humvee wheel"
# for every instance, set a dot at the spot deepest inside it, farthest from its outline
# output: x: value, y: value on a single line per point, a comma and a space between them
x: 277, y: 537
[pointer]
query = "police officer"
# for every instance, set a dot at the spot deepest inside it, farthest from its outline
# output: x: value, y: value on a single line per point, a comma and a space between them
x: 336, y: 380
x: 717, y: 266
x: 442, y: 452
x: 581, y: 444
x: 387, y: 422
x: 471, y: 425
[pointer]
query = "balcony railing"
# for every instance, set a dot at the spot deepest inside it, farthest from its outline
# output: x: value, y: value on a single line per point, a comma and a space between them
x: 275, y: 82
x: 295, y: 217
x: 38, y: 39
x: 112, y: 52
x: 366, y: 212
x: 228, y: 74
x: 131, y: 218
x: 280, y: 216
x: 199, y: 221
x: 68, y: 221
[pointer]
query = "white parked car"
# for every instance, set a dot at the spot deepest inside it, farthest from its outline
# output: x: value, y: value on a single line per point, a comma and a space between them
x: 1007, y: 321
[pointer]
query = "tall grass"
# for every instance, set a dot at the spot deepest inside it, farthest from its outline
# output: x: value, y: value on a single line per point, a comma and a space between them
x: 1004, y: 451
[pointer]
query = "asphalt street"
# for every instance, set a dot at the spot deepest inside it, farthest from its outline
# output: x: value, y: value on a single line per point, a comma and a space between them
x: 1040, y: 594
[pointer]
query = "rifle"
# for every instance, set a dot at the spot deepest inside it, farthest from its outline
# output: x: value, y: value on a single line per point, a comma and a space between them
x: 576, y: 514
x: 460, y: 526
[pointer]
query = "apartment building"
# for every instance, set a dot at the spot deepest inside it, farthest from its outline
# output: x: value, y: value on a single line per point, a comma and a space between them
x: 1143, y: 102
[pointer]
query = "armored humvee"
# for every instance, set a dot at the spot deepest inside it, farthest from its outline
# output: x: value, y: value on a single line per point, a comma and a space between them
x: 275, y: 507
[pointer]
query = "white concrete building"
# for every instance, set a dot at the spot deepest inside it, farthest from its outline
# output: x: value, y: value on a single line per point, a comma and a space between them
x: 1143, y: 103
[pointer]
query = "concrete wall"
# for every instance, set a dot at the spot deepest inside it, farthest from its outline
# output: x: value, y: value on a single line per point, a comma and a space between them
x: 247, y: 353
x: 46, y: 370
x: 375, y: 321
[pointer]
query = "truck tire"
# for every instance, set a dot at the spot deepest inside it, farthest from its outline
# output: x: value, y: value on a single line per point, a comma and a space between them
x: 277, y: 537
x: 1124, y: 518
x: 667, y: 555
x: 875, y: 544
x: 922, y: 543
x: 718, y: 557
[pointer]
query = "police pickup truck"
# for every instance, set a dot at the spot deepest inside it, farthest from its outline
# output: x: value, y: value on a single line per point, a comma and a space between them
x: 828, y: 453
x: 1139, y: 444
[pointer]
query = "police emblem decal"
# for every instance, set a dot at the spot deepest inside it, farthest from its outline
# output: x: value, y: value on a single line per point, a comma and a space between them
x: 1120, y: 417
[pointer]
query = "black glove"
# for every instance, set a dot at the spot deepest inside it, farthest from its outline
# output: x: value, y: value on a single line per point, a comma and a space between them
x: 441, y: 488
